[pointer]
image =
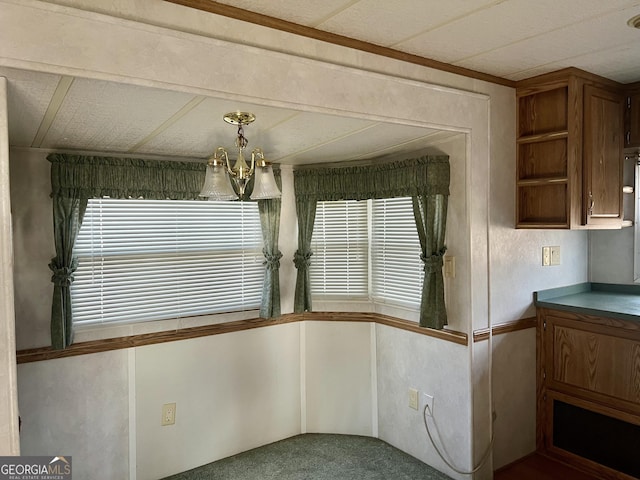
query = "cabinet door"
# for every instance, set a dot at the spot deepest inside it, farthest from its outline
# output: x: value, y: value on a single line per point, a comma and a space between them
x: 633, y: 121
x: 602, y: 157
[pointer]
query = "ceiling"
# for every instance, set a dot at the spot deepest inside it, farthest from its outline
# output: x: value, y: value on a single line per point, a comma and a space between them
x: 513, y: 39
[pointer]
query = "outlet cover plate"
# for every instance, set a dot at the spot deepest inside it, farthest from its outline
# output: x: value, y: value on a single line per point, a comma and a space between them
x: 413, y: 398
x: 168, y: 414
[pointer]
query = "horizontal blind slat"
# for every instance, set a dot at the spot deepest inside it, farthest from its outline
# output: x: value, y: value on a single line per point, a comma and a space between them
x: 155, y: 259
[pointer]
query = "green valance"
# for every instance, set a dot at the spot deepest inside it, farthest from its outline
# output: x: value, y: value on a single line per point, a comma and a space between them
x: 80, y: 176
x: 426, y: 175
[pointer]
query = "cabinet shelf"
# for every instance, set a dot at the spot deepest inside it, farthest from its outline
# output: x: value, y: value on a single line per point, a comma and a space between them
x: 569, y: 150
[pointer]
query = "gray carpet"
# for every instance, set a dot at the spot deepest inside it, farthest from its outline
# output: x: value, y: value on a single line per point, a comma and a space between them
x: 317, y: 457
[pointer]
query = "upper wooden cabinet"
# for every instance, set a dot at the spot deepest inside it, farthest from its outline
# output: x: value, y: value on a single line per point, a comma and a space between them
x: 570, y: 142
x: 632, y: 117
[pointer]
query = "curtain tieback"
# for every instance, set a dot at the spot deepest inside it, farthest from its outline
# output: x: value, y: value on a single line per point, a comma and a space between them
x: 272, y: 260
x: 302, y: 259
x: 433, y: 263
x: 62, y: 276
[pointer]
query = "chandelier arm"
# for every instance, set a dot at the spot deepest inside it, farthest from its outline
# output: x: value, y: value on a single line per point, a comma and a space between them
x: 257, y: 153
x: 221, y: 153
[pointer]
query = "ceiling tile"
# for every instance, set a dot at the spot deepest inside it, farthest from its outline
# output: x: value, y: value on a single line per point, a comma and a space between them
x: 203, y: 129
x: 309, y: 13
x: 29, y: 94
x: 376, y: 140
x: 107, y: 116
x: 594, y: 36
x: 508, y: 23
x: 386, y: 23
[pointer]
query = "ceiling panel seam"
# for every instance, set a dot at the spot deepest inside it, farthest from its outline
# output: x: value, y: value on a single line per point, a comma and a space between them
x: 447, y: 22
x: 540, y: 34
x: 58, y: 97
x: 193, y: 103
x: 337, y: 11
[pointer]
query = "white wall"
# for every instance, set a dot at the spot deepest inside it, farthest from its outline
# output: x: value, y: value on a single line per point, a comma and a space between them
x: 78, y: 407
x: 441, y: 369
x: 339, y: 376
x: 8, y: 401
x: 233, y: 392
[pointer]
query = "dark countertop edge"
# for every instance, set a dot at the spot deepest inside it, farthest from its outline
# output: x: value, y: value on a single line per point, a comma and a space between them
x: 543, y: 295
x: 554, y: 293
x: 588, y: 311
x: 553, y: 298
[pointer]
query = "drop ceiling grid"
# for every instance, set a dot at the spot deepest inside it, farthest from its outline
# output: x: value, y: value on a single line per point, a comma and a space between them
x: 106, y: 116
x: 29, y: 94
x: 559, y: 46
x: 203, y: 129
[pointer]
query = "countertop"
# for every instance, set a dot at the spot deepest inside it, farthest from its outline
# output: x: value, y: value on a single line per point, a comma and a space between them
x: 600, y: 299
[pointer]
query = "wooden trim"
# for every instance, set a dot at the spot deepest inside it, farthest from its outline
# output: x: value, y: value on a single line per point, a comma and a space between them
x: 132, y: 341
x: 317, y: 34
x: 507, y: 327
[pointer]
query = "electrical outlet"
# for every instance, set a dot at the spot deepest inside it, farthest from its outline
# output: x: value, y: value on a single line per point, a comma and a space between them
x: 413, y: 398
x: 428, y: 402
x: 168, y: 414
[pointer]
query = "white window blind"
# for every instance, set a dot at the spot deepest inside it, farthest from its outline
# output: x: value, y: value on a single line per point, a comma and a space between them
x: 156, y: 259
x: 340, y: 245
x: 397, y: 271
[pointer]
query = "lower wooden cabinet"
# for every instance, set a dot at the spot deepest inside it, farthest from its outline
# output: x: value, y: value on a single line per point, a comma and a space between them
x: 588, y: 411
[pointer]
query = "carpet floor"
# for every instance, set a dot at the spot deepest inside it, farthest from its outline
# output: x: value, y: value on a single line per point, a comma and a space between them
x: 317, y: 457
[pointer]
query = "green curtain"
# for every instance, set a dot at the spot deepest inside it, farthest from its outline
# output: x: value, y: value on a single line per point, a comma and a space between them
x: 67, y: 218
x: 425, y: 179
x: 430, y: 212
x: 426, y: 175
x: 306, y: 212
x: 79, y: 176
x: 270, y: 223
x: 76, y: 178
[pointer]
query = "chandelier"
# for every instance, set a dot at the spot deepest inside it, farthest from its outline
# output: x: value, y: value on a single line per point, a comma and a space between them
x: 217, y: 181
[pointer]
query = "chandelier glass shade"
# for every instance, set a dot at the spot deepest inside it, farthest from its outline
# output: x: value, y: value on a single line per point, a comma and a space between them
x: 220, y: 172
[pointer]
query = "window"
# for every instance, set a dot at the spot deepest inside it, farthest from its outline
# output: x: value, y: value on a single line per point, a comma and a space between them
x: 397, y: 271
x: 367, y: 249
x: 157, y: 259
x: 340, y: 245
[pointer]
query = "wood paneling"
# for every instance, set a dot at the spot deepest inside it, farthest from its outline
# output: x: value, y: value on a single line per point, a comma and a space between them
x: 592, y: 363
x: 596, y: 362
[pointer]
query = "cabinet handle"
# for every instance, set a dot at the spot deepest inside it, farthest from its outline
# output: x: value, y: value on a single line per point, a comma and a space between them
x: 591, y: 204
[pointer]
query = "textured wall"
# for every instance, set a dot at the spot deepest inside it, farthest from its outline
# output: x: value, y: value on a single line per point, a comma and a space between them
x: 338, y: 390
x: 79, y: 407
x: 8, y: 402
x: 485, y: 112
x: 233, y: 392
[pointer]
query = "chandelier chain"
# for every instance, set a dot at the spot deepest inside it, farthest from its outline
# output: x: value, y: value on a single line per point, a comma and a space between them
x: 241, y: 141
